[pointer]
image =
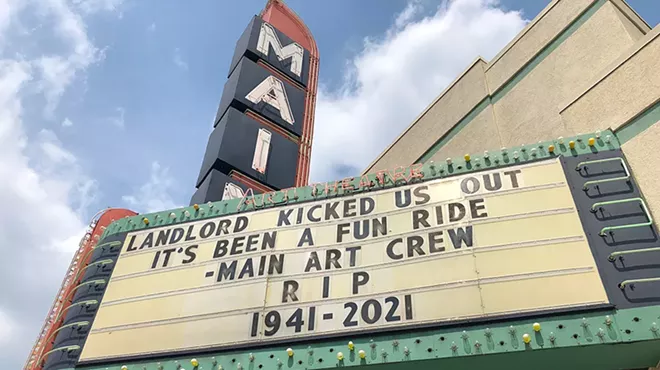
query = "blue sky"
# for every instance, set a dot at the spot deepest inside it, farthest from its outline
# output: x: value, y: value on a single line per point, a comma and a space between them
x: 110, y: 103
x: 152, y: 97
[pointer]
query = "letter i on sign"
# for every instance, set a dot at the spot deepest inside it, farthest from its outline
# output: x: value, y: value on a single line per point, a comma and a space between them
x: 326, y: 286
x: 260, y: 159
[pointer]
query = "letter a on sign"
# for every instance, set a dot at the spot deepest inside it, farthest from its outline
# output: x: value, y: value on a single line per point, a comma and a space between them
x: 232, y: 191
x: 260, y: 159
x: 271, y: 91
x: 268, y: 37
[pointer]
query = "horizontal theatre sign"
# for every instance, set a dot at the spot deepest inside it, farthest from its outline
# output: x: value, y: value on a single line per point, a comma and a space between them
x: 491, y: 243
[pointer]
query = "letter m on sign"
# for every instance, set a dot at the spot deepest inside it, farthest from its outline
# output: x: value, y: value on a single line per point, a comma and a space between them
x: 293, y: 51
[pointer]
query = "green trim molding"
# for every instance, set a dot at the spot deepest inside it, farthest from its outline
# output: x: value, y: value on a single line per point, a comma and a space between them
x: 639, y: 124
x: 547, y: 50
x: 515, y: 79
x: 455, y: 130
x: 606, y: 339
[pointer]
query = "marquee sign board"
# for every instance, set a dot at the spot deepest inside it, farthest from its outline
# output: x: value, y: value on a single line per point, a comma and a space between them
x: 475, y: 246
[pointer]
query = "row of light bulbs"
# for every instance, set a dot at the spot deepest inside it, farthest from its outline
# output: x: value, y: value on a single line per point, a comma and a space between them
x: 351, y: 347
x: 551, y: 148
x: 468, y: 158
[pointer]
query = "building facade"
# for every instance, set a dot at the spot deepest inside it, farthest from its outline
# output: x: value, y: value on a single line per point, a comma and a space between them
x: 510, y: 226
x: 580, y: 66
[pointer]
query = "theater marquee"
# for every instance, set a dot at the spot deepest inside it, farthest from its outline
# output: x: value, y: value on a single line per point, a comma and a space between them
x: 497, y: 242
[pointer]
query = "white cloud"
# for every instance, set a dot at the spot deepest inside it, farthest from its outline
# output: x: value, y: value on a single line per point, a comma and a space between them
x: 44, y: 191
x: 67, y: 122
x: 7, y: 326
x: 118, y: 118
x: 152, y: 27
x: 412, y: 9
x: 36, y: 193
x: 58, y: 71
x: 52, y: 148
x: 155, y: 194
x: 94, y: 6
x: 393, y: 79
x: 178, y: 60
x: 8, y: 10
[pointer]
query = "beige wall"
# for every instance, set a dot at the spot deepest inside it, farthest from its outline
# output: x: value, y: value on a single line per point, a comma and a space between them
x: 481, y: 132
x: 530, y: 111
x: 454, y: 103
x: 560, y: 93
x: 622, y: 91
x: 546, y: 26
x: 643, y: 155
x: 635, y: 25
x: 633, y: 32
